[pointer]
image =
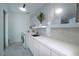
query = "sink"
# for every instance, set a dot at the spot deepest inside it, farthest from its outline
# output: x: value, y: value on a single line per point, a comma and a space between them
x: 35, y: 35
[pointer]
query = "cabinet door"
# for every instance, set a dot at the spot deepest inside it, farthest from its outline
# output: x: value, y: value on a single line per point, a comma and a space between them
x: 36, y: 48
x: 43, y: 50
x: 31, y: 43
x: 26, y: 41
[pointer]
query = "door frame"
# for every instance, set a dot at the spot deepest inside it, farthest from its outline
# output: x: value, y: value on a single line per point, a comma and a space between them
x: 5, y: 29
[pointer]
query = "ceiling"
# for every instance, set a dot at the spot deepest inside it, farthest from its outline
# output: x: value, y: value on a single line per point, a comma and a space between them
x: 69, y: 9
x: 31, y: 7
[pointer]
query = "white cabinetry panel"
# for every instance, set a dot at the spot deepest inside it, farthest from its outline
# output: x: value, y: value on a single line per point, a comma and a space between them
x: 36, y: 48
x: 43, y: 50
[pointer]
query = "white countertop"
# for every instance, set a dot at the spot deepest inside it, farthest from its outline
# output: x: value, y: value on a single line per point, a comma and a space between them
x: 56, y: 45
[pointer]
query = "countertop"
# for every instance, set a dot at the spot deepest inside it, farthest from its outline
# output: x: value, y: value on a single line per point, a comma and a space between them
x: 64, y: 48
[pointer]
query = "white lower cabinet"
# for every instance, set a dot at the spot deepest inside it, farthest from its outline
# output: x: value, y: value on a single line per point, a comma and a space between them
x: 36, y: 48
x: 53, y: 53
x: 44, y: 51
x: 39, y: 49
x: 31, y: 47
x: 31, y: 44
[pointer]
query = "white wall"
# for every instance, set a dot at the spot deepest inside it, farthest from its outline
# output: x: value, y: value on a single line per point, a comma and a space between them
x: 18, y: 22
x: 48, y: 11
x: 1, y: 31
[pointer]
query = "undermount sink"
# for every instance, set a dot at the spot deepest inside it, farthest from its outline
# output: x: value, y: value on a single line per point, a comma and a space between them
x: 35, y: 35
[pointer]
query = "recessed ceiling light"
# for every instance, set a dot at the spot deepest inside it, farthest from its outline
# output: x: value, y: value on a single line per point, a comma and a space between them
x: 23, y: 8
x: 59, y: 11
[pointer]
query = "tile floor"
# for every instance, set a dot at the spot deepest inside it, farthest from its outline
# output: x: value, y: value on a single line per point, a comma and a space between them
x: 17, y: 49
